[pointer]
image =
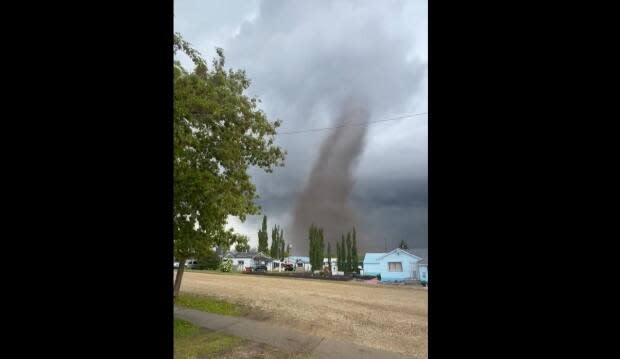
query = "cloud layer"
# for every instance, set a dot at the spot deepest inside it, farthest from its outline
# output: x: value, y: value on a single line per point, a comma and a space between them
x: 305, y: 58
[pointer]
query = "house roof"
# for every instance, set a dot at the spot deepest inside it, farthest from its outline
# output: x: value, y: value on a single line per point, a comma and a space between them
x: 247, y: 255
x: 398, y: 251
x: 421, y: 253
x: 241, y: 254
x: 295, y: 258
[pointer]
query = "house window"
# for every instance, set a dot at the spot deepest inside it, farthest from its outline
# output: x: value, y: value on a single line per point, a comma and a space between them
x: 240, y: 262
x: 395, y: 266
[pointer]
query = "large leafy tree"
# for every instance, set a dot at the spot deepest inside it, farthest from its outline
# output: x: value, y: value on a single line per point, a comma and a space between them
x: 219, y: 133
x: 242, y: 244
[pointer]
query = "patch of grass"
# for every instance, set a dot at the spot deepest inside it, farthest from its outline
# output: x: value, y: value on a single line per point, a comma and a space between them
x: 212, y: 271
x: 191, y: 341
x: 210, y: 305
x: 183, y: 329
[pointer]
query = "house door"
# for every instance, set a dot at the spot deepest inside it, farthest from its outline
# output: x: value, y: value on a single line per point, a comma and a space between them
x: 414, y: 272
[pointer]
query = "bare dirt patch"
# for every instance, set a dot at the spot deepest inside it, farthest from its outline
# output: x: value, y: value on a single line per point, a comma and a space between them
x: 382, y: 317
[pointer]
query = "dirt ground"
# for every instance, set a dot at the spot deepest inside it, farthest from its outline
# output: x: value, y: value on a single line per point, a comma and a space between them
x: 382, y: 317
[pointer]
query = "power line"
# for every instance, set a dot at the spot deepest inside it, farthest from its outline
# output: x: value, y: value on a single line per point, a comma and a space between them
x: 353, y: 124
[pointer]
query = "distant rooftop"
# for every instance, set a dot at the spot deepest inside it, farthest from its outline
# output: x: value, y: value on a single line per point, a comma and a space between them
x: 373, y: 257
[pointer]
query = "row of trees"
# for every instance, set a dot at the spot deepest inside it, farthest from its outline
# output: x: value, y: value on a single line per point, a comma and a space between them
x: 278, y: 249
x: 347, y: 258
x: 346, y: 253
x: 317, y: 247
x: 277, y: 243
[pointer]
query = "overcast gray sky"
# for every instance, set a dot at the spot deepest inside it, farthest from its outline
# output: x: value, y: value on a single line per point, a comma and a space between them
x: 304, y: 58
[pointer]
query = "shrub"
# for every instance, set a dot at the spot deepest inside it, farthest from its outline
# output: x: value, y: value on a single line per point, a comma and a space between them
x: 226, y: 265
x: 209, y: 261
x: 379, y: 276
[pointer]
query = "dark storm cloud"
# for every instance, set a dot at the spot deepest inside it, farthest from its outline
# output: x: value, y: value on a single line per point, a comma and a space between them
x: 392, y: 193
x: 304, y: 58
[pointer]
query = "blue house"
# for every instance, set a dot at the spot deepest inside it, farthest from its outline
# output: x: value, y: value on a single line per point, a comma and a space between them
x: 398, y: 265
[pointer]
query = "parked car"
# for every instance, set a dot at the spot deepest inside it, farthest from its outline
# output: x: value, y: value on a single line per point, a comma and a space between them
x: 191, y: 264
x: 289, y: 267
x: 260, y: 268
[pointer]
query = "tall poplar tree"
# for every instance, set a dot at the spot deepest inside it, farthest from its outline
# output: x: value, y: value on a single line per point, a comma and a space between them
x: 354, y: 257
x: 349, y: 265
x: 343, y: 252
x: 263, y: 239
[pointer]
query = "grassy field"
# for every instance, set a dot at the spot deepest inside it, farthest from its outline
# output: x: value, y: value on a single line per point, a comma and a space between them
x: 392, y: 318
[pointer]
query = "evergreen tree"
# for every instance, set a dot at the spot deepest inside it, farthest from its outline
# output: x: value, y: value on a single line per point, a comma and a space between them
x: 348, y: 264
x: 275, y: 242
x: 329, y: 257
x: 403, y: 245
x: 354, y: 258
x: 311, y: 245
x: 338, y: 256
x: 321, y: 250
x: 263, y: 239
x: 343, y: 253
x: 281, y: 252
x: 317, y: 247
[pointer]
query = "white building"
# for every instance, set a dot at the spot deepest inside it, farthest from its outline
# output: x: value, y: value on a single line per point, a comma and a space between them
x: 245, y: 260
x: 303, y: 263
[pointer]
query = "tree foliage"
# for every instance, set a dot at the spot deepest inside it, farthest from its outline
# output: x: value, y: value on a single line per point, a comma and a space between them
x: 348, y: 264
x: 329, y: 256
x: 263, y: 238
x: 277, y: 243
x: 283, y: 253
x: 343, y: 253
x: 243, y: 244
x: 338, y: 264
x: 226, y: 265
x: 219, y: 133
x: 316, y: 247
x: 210, y: 260
x: 354, y: 257
x: 403, y: 245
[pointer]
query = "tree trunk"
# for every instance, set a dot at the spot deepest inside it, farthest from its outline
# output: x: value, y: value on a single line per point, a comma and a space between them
x: 177, y: 281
